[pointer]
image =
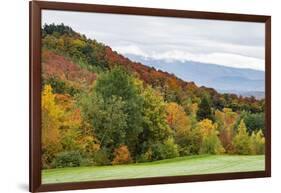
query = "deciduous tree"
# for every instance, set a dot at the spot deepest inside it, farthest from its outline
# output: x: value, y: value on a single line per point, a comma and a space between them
x: 210, y: 141
x: 117, y: 82
x: 52, y: 115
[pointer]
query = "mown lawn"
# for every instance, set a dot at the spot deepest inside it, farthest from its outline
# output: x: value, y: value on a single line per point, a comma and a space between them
x: 202, y: 164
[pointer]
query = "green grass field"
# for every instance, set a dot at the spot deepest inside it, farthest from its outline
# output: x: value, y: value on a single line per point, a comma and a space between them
x: 203, y: 164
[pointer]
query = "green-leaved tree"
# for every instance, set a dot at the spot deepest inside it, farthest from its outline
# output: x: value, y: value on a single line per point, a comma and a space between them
x: 241, y: 141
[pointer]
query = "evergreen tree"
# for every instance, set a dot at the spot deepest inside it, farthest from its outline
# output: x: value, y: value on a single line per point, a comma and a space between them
x: 257, y: 142
x: 204, y: 111
x: 241, y: 141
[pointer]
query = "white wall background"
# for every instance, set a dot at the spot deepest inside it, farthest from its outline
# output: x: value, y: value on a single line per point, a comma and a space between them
x: 14, y: 95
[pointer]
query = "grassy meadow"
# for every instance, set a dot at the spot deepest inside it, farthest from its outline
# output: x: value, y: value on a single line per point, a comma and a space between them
x: 189, y: 165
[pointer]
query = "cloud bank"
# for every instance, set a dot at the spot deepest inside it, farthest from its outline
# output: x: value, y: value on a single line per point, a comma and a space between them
x: 227, y: 43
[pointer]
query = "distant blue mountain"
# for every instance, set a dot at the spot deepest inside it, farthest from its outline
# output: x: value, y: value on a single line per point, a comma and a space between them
x: 222, y: 78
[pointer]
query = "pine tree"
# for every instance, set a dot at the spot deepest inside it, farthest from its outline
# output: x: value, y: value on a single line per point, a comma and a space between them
x: 204, y: 111
x: 241, y: 141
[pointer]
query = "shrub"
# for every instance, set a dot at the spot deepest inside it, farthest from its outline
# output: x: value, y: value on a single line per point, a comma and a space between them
x: 165, y: 150
x: 170, y: 148
x: 121, y: 155
x: 184, y: 150
x: 145, y: 157
x: 157, y: 152
x: 67, y: 159
x: 211, y: 144
x: 87, y: 162
x: 101, y: 158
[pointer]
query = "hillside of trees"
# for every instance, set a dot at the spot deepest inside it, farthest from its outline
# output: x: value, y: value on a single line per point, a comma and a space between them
x: 100, y: 108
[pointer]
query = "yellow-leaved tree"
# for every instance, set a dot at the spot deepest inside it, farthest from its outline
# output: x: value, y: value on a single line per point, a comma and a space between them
x: 210, y: 140
x: 181, y: 125
x: 52, y: 116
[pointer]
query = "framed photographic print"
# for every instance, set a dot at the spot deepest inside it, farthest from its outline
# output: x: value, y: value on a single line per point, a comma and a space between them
x: 123, y: 96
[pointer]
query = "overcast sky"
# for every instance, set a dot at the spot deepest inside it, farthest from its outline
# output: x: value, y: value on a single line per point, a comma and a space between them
x: 234, y: 44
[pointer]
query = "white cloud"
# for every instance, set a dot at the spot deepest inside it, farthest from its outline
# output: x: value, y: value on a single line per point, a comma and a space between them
x: 225, y: 59
x: 236, y: 44
x: 131, y: 49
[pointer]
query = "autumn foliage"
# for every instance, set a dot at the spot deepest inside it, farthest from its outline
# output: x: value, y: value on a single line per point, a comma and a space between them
x: 121, y: 156
x: 100, y: 108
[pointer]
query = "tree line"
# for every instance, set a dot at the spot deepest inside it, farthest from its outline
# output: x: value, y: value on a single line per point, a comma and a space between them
x: 123, y: 121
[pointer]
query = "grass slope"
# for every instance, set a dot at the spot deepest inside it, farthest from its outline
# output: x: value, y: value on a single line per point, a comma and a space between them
x: 204, y: 164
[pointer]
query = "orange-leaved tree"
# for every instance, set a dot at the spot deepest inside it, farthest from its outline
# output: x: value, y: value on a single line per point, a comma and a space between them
x: 226, y: 120
x: 122, y: 155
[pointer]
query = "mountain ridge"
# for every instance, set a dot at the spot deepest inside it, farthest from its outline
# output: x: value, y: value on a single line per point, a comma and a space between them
x: 215, y: 76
